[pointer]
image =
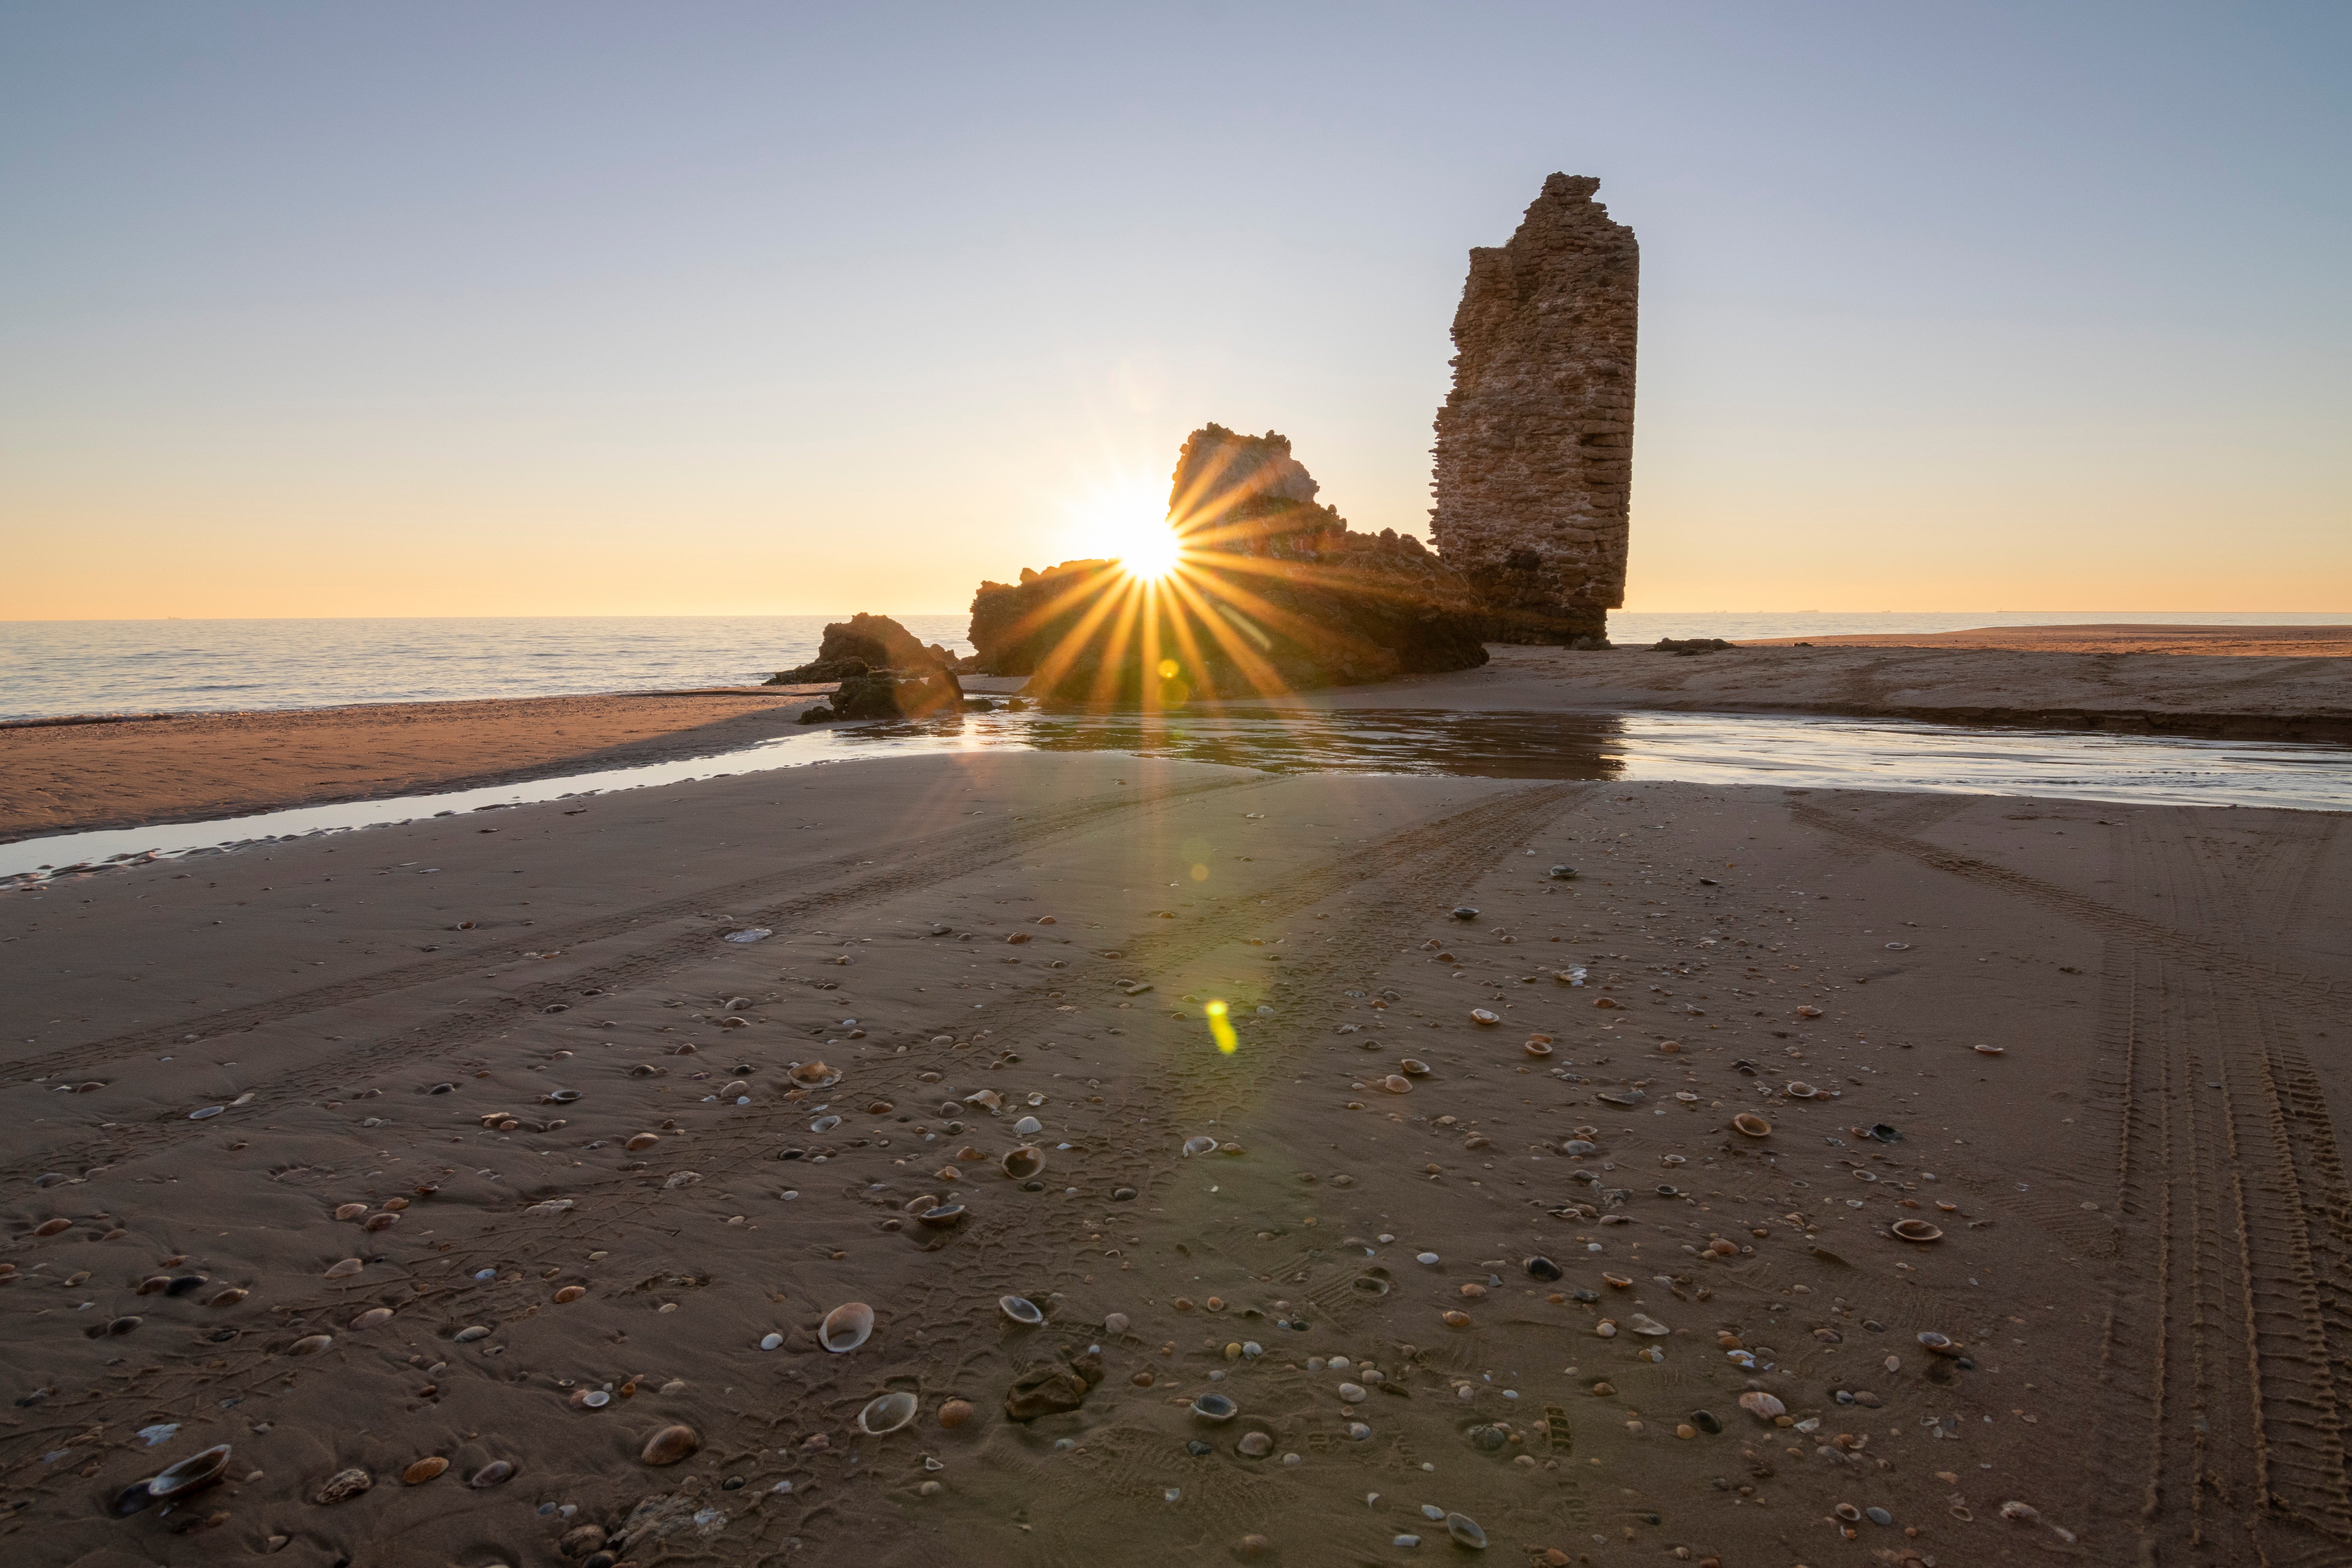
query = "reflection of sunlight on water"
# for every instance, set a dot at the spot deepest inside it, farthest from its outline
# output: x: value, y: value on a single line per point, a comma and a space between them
x: 1702, y: 748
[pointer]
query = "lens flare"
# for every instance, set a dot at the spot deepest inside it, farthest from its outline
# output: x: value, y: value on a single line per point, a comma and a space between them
x: 1220, y: 1028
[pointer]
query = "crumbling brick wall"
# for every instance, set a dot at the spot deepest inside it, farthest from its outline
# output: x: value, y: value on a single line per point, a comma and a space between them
x: 1535, y: 445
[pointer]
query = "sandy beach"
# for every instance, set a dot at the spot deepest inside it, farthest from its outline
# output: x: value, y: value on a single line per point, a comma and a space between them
x: 509, y: 1167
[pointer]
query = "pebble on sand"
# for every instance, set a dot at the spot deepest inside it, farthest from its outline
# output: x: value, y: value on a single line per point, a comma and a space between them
x: 955, y: 1413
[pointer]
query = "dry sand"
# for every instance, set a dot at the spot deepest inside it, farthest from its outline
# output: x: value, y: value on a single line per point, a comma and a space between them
x: 2146, y: 1227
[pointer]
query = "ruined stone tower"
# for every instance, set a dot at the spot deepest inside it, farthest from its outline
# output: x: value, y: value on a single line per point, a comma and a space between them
x: 1535, y: 445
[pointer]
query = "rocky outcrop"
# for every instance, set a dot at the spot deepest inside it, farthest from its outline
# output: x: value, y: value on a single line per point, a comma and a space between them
x: 890, y: 694
x: 861, y: 644
x: 1274, y: 593
x: 1535, y: 446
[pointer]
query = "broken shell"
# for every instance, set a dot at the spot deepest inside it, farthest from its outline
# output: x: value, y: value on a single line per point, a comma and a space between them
x: 1762, y: 1405
x: 424, y: 1470
x: 1412, y: 1066
x: 670, y: 1445
x: 1538, y: 1047
x: 1481, y: 1017
x: 814, y: 1075
x: 1198, y: 1146
x: 1915, y: 1230
x: 343, y: 1484
x: 1024, y: 1163
x: 1022, y: 1309
x: 987, y: 1098
x: 1801, y: 1090
x: 1215, y: 1407
x: 1753, y: 1125
x: 1642, y: 1324
x: 491, y: 1474
x: 888, y: 1414
x: 846, y: 1328
x: 955, y: 1413
x: 1397, y: 1084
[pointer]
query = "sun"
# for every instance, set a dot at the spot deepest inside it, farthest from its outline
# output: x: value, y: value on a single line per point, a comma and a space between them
x: 1127, y: 521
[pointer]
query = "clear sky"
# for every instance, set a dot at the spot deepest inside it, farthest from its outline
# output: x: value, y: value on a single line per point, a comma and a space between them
x: 491, y: 307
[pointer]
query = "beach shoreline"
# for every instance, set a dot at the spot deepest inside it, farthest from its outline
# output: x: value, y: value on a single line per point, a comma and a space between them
x: 61, y: 778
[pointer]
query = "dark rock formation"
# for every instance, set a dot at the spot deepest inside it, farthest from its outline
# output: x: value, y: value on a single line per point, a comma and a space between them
x: 890, y: 694
x: 1535, y: 447
x: 1274, y: 593
x: 864, y: 643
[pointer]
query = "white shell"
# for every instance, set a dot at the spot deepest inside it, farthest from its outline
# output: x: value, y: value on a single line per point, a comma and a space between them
x: 887, y: 1413
x: 1027, y: 1127
x: 1198, y: 1146
x: 1022, y: 1309
x: 846, y: 1328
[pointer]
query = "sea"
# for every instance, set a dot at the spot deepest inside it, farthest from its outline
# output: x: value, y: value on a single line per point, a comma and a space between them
x: 55, y: 668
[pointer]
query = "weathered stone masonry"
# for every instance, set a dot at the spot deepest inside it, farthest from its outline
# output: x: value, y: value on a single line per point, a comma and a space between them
x: 1535, y: 445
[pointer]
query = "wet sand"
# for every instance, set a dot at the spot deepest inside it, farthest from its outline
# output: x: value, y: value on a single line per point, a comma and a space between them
x: 2183, y: 694
x: 2144, y: 1211
x: 65, y: 778
x: 2233, y: 642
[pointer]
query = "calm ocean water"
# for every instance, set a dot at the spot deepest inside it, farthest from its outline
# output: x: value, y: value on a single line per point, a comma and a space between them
x: 51, y: 668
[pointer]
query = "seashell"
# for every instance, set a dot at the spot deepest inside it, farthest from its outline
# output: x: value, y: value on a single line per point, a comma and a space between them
x: 1479, y: 1016
x: 491, y: 1474
x: 670, y: 1445
x: 154, y: 1286
x: 1371, y: 1284
x: 1801, y: 1090
x: 888, y: 1414
x: 824, y: 1124
x: 1454, y: 1320
x: 397, y: 1204
x: 561, y: 1097
x: 1466, y: 1531
x: 1412, y: 1066
x: 1255, y: 1444
x: 1762, y: 1405
x: 590, y: 1399
x: 467, y: 1336
x: 1024, y: 1163
x: 1986, y: 1050
x: 847, y: 1326
x: 1538, y: 1047
x: 1397, y: 1084
x: 1542, y: 1268
x: 1753, y: 1125
x: 345, y: 1270
x: 1606, y: 1327
x: 570, y: 1293
x: 228, y: 1298
x: 1116, y: 1323
x: 814, y: 1075
x: 53, y: 1226
x: 641, y: 1140
x: 1027, y: 1127
x: 1215, y: 1407
x: 343, y: 1484
x: 1671, y: 1047
x: 955, y: 1413
x: 1915, y: 1230
x: 424, y: 1470
x: 1642, y: 1324
x: 944, y: 1217
x: 1576, y: 1146
x: 969, y: 1154
x: 192, y: 1474
x: 311, y: 1344
x: 987, y: 1098
x: 1022, y: 1309
x: 1619, y: 1281
x: 350, y: 1211
x: 1939, y: 1343
x: 1198, y: 1146
x: 380, y: 1222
